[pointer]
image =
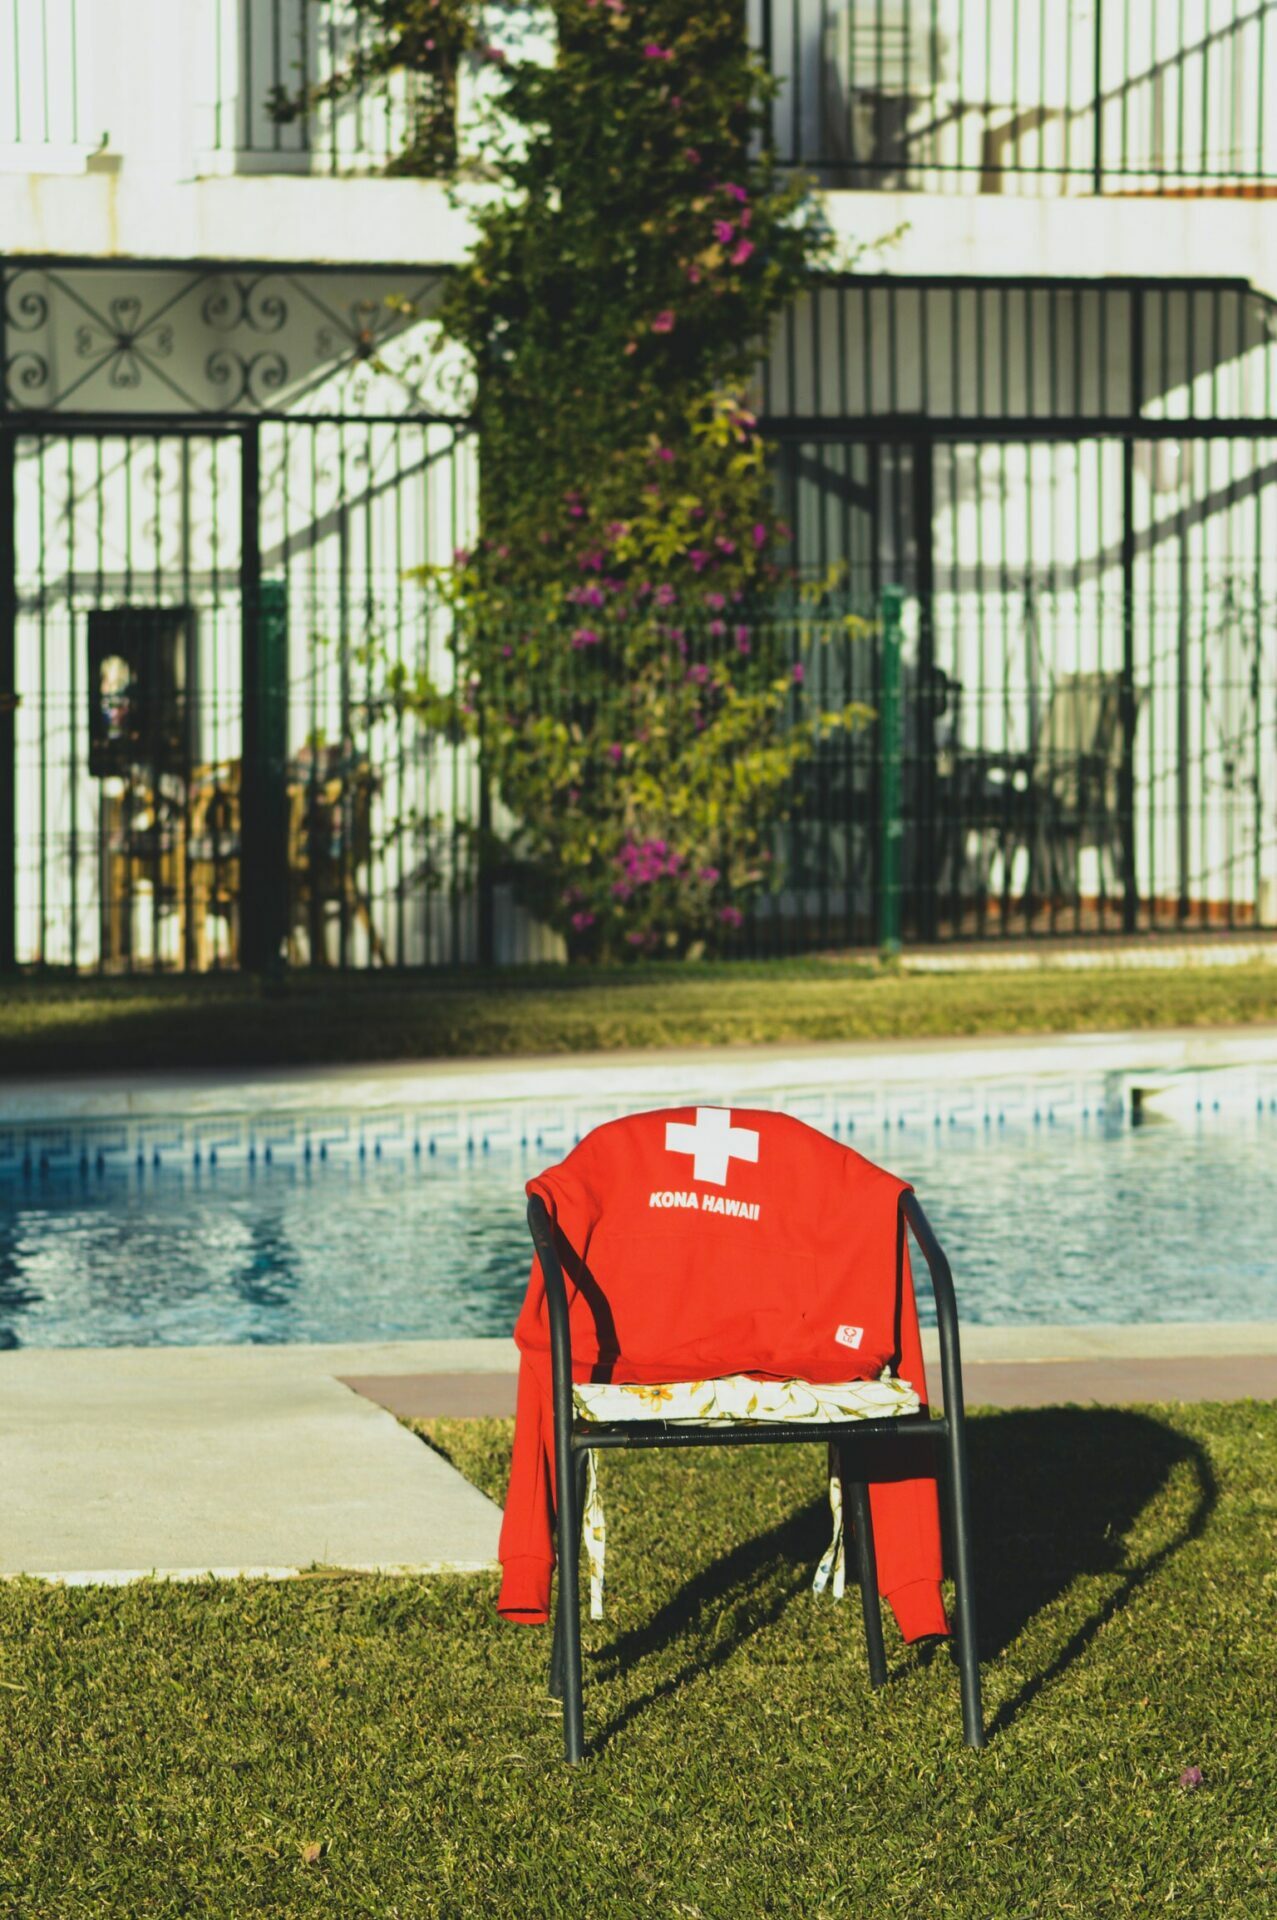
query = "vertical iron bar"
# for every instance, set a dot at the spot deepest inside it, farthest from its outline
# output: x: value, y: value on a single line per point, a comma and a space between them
x: 73, y: 718
x: 192, y: 719
x: 1126, y: 771
x: 105, y: 903
x: 42, y: 452
x: 1097, y: 136
x: 159, y: 754
x: 8, y: 685
x: 344, y: 808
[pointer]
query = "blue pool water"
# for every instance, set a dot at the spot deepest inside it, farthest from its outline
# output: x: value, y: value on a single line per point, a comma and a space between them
x: 1161, y: 1222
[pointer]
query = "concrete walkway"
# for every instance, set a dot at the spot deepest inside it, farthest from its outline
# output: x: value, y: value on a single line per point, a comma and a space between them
x: 1024, y: 1366
x: 631, y: 1077
x: 185, y: 1462
x: 189, y: 1461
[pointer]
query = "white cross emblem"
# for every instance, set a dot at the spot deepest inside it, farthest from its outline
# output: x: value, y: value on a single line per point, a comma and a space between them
x: 712, y: 1142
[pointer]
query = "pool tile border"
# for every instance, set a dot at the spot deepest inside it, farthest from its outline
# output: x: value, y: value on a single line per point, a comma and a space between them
x: 410, y: 1129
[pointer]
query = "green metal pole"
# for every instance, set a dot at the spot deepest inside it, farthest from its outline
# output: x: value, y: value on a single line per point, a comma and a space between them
x: 890, y: 784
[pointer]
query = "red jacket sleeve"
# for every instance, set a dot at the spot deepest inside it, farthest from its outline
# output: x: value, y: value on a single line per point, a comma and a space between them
x: 906, y: 1513
x: 526, y: 1550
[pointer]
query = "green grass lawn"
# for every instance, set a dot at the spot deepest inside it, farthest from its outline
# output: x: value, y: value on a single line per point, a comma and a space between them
x: 347, y: 1747
x: 79, y: 1026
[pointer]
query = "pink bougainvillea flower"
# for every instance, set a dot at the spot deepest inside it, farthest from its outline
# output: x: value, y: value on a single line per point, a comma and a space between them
x: 742, y: 639
x: 621, y: 890
x: 724, y: 545
x: 799, y: 673
x: 715, y: 601
x: 724, y: 230
x: 760, y: 534
x: 460, y: 557
x: 582, y: 919
x: 591, y: 561
x: 652, y: 52
x: 576, y: 512
x: 665, y: 453
x: 737, y: 193
x: 665, y: 595
x: 589, y: 596
x: 699, y: 559
x: 507, y: 651
x: 664, y: 321
x: 699, y: 673
x: 692, y: 156
x: 617, y: 529
x: 616, y: 753
x: 731, y: 916
x: 585, y: 637
x: 741, y: 253
x: 694, y: 274
x: 637, y: 939
x: 708, y: 874
x: 718, y: 628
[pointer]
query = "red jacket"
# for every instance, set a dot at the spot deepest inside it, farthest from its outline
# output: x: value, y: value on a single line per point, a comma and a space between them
x: 712, y: 1241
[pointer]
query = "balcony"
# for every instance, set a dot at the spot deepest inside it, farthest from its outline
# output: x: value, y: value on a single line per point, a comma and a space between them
x: 299, y: 86
x: 1025, y: 97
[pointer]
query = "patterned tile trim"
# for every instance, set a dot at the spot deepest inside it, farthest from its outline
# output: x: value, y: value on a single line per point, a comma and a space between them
x: 864, y: 1118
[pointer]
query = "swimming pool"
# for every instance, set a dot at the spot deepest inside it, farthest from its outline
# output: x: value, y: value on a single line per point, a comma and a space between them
x: 1057, y: 1225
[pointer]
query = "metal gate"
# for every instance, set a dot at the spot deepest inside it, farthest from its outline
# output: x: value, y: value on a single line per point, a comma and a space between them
x: 1089, y: 682
x: 207, y: 770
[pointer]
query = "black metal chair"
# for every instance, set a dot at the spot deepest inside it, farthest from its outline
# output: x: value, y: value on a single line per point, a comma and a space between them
x: 574, y: 1439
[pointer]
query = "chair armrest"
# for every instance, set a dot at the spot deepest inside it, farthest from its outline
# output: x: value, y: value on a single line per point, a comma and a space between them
x: 541, y: 1228
x: 946, y: 1304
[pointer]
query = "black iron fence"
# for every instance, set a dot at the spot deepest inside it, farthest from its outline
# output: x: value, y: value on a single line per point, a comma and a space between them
x: 1025, y: 96
x: 1034, y: 762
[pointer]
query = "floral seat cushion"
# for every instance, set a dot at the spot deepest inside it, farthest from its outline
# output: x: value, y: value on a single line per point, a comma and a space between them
x: 737, y: 1397
x: 734, y: 1398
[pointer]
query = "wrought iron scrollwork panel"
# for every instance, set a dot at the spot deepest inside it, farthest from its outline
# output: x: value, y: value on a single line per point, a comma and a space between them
x: 216, y: 342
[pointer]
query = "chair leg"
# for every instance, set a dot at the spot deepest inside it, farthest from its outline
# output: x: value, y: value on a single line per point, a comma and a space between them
x: 856, y: 1501
x: 556, y: 1646
x: 964, y: 1583
x: 566, y: 1650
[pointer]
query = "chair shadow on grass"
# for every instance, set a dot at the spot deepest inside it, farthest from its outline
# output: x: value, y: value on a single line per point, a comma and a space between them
x: 1055, y: 1491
